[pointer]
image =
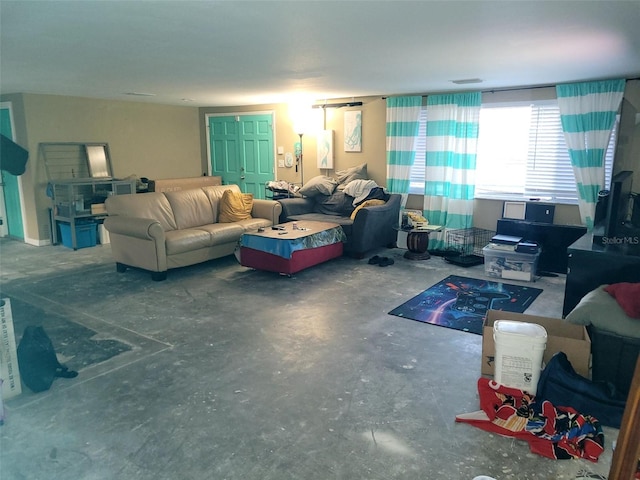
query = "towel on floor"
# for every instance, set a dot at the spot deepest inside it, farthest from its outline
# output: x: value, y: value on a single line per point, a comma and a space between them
x: 551, y: 431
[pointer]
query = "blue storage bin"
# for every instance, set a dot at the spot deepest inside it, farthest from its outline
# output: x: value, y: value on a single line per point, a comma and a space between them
x: 86, y: 234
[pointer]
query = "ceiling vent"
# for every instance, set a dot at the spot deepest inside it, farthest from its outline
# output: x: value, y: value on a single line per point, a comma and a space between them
x: 466, y: 81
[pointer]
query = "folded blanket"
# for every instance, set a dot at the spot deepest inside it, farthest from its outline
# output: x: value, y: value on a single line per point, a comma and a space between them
x: 359, y: 189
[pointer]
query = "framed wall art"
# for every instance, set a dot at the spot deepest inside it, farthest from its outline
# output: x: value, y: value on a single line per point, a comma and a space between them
x: 325, y: 149
x: 353, y: 131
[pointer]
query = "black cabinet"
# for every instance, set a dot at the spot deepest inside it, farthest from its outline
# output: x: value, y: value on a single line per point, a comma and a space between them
x: 593, y: 265
x: 553, y: 240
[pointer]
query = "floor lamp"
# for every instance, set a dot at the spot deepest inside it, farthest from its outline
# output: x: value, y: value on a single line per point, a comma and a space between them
x: 299, y: 160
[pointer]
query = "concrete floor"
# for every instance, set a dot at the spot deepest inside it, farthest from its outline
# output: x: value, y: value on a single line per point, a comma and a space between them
x: 240, y: 374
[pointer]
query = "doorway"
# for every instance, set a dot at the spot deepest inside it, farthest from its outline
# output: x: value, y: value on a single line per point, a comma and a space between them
x: 241, y: 150
x: 11, y: 223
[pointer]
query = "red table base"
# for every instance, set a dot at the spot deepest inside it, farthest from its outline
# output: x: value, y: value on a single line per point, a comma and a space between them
x: 299, y: 260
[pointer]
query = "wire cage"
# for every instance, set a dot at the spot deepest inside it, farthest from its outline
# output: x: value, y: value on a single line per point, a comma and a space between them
x: 468, y: 243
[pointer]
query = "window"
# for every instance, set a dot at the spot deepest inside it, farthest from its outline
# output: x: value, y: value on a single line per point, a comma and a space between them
x: 521, y: 154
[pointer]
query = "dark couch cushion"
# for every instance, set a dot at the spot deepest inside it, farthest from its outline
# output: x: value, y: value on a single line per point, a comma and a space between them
x: 339, y: 203
x: 359, y: 172
x: 320, y: 185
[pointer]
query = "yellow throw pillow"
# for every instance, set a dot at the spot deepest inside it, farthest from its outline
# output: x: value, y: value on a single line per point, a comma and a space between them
x: 235, y: 206
x: 366, y: 203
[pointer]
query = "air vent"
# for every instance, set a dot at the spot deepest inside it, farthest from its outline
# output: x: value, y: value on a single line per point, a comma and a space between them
x: 466, y: 81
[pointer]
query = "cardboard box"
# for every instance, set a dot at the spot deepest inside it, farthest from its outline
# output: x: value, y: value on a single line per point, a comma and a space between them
x: 562, y: 336
x: 98, y: 209
x: 9, y: 371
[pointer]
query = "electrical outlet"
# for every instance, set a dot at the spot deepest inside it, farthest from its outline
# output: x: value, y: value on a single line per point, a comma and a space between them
x: 280, y: 163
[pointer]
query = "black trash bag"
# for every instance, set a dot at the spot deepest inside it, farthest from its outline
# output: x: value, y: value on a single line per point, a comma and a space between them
x: 38, y: 362
x: 563, y: 386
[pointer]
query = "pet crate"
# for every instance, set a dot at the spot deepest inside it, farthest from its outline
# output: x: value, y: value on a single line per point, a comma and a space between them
x: 468, y: 244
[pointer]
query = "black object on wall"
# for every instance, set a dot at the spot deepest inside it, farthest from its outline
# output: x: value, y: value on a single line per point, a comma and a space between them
x: 13, y: 158
x: 553, y: 240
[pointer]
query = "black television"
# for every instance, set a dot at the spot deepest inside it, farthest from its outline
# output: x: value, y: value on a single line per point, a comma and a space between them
x: 13, y: 158
x: 618, y: 212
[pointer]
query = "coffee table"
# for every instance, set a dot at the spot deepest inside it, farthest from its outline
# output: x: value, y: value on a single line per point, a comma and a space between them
x: 288, y: 251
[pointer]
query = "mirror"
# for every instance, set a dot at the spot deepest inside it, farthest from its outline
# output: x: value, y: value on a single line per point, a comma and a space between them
x: 98, y: 161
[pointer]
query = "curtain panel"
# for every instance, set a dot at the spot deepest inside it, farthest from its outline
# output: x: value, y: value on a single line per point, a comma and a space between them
x: 588, y: 113
x: 451, y: 151
x: 402, y: 115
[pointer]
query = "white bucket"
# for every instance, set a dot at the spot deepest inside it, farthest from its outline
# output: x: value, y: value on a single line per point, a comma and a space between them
x: 519, y: 350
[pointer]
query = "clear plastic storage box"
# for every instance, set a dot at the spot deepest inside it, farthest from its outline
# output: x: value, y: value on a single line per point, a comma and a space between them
x: 502, y: 263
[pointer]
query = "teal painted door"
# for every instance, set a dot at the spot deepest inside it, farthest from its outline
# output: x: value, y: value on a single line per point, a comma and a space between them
x: 241, y: 149
x: 10, y: 189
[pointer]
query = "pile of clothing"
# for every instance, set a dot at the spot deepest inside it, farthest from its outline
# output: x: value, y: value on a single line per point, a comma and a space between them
x: 551, y: 431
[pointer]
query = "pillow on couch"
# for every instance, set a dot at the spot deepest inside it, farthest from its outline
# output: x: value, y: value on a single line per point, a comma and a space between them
x: 366, y: 203
x: 600, y: 309
x: 628, y: 297
x: 234, y: 206
x: 320, y: 185
x: 358, y: 172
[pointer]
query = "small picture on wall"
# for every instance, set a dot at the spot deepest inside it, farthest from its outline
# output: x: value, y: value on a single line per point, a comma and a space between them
x: 353, y: 131
x: 325, y: 149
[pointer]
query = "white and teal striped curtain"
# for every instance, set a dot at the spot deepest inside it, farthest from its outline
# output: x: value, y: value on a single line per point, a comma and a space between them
x: 403, y: 115
x: 588, y: 113
x: 451, y: 151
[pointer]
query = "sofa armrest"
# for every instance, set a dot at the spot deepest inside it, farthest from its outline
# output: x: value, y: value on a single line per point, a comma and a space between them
x: 144, y: 228
x: 295, y: 206
x: 376, y: 225
x: 387, y: 213
x: 269, y: 209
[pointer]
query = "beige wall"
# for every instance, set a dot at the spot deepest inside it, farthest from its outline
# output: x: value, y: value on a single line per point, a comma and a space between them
x: 373, y: 137
x: 145, y: 140
x: 156, y: 141
x: 628, y: 148
x: 487, y: 212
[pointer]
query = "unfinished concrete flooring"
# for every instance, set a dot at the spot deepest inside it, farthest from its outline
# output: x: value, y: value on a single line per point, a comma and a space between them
x: 240, y: 374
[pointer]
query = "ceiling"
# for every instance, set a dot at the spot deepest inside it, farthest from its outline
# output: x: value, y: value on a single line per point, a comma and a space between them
x: 223, y: 53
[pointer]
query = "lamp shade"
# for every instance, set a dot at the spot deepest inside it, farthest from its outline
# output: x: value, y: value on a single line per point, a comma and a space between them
x: 300, y: 113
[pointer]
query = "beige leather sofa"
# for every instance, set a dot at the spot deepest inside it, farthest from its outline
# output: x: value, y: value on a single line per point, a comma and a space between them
x: 158, y: 231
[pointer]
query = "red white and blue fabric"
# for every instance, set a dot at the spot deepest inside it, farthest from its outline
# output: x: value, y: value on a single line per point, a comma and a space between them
x: 552, y: 431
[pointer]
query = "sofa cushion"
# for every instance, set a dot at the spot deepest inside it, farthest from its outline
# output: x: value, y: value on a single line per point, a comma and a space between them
x: 149, y: 205
x: 191, y: 208
x: 320, y: 185
x: 214, y: 194
x: 234, y: 206
x: 354, y: 173
x: 600, y: 309
x: 336, y: 204
x: 628, y: 297
x: 254, y: 223
x: 181, y: 241
x: 223, y: 232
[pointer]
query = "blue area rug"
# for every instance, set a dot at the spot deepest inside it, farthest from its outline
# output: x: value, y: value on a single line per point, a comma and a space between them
x: 461, y: 303
x: 75, y: 344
